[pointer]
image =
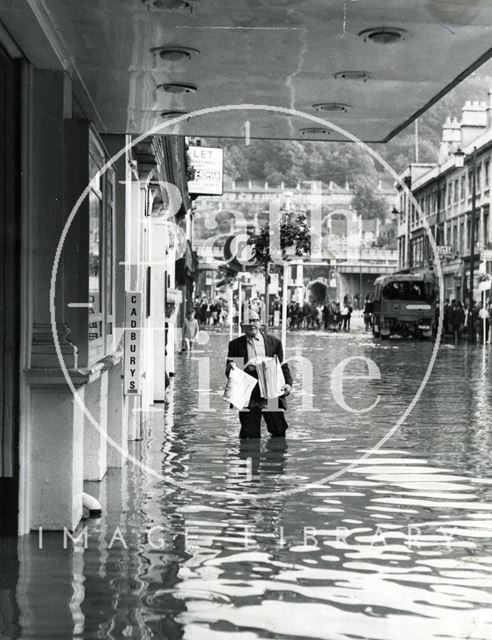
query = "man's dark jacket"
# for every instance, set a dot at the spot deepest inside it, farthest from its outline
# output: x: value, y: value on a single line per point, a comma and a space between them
x: 238, y: 349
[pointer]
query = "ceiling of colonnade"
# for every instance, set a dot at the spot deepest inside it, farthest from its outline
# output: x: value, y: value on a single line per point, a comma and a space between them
x: 374, y: 64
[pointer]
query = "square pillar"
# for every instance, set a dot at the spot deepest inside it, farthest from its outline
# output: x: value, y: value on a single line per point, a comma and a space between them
x: 56, y: 463
x: 95, y: 439
x: 117, y: 417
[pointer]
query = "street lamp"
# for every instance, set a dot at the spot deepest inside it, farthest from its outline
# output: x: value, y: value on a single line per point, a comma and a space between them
x: 472, y: 232
x: 460, y: 161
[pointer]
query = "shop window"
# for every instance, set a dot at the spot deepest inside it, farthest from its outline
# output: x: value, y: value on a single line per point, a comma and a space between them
x: 101, y: 263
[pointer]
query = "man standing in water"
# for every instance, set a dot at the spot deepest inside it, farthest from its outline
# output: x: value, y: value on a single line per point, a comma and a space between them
x: 244, y: 351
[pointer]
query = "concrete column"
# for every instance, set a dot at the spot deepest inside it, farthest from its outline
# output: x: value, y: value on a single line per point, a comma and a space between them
x: 117, y: 403
x: 134, y: 414
x: 56, y: 468
x: 95, y: 439
x: 117, y: 417
x: 157, y: 306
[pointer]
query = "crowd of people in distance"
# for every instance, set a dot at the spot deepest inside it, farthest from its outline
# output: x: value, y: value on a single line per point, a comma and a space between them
x: 330, y: 316
x: 213, y: 313
x: 465, y: 320
x: 460, y: 321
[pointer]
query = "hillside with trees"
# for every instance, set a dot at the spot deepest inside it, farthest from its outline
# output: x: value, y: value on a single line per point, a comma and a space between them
x: 291, y: 162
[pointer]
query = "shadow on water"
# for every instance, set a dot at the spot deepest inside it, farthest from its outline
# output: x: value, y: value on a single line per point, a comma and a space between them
x: 399, y: 546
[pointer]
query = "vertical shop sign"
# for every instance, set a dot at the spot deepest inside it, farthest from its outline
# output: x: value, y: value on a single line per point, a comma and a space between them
x: 133, y: 342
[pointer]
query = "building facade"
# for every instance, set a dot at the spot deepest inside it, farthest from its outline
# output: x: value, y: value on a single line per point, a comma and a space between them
x: 450, y: 194
x: 347, y: 254
x: 93, y: 226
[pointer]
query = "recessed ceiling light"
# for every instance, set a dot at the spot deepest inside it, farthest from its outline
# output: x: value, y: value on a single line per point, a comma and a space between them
x: 173, y: 113
x: 313, y: 131
x: 383, y: 35
x: 168, y: 4
x: 352, y: 75
x: 173, y: 53
x: 332, y: 106
x: 177, y: 87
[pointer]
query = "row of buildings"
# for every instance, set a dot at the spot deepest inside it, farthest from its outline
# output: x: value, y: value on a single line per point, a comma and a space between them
x: 96, y: 230
x: 450, y: 193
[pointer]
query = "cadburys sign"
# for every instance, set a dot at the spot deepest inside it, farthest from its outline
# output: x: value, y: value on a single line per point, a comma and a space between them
x: 133, y: 343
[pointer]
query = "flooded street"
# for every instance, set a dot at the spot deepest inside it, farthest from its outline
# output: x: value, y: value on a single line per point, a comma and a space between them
x: 250, y: 540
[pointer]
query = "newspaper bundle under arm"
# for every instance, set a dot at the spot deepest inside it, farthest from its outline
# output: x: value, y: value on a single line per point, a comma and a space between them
x: 270, y: 377
x: 239, y: 387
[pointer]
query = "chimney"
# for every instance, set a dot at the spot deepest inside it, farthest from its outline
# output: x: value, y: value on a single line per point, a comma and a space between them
x: 451, y: 139
x: 266, y: 185
x: 473, y: 121
x: 250, y: 186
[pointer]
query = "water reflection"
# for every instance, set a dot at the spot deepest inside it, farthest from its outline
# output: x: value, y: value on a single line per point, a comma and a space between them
x: 397, y: 547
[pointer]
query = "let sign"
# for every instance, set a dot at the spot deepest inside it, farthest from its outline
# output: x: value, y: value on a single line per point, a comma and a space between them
x: 208, y: 163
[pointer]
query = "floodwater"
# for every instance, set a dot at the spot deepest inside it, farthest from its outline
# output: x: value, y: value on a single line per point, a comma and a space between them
x: 251, y: 541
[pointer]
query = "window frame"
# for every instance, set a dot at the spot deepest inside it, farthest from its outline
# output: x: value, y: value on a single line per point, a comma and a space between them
x: 104, y: 191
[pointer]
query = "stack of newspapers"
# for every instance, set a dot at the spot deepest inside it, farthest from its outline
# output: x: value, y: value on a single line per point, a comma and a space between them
x: 239, y: 387
x: 270, y: 377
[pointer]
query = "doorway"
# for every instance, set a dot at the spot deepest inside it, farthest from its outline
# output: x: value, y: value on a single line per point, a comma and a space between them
x: 9, y: 291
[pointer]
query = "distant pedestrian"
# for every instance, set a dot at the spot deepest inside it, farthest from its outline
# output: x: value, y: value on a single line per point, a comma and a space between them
x: 326, y: 316
x: 337, y: 317
x: 344, y: 314
x: 203, y: 310
x: 367, y: 313
x: 456, y: 320
x: 349, y: 315
x: 483, y: 319
x: 190, y: 331
x: 306, y: 314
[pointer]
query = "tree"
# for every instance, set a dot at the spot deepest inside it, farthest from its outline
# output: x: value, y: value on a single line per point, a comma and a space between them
x: 294, y: 232
x: 368, y: 204
x: 387, y: 237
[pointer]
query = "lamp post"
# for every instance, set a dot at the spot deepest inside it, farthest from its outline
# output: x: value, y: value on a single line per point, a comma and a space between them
x: 472, y: 235
x: 460, y: 156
